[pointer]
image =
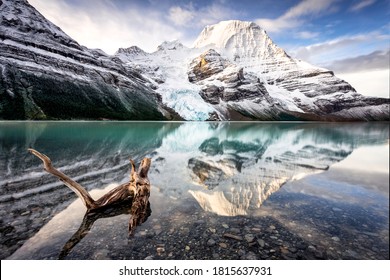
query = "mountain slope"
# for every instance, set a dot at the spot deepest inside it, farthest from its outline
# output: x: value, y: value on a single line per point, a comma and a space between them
x: 45, y: 74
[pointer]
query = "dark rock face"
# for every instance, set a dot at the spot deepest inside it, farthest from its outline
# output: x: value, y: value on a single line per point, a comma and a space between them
x: 221, y: 80
x: 47, y: 75
x: 206, y: 65
x: 50, y: 97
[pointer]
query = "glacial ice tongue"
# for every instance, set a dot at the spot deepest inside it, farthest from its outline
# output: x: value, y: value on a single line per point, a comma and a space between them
x: 187, y: 102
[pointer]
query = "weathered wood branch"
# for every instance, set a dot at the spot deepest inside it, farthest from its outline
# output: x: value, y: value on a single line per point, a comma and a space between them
x: 139, y: 183
x: 136, y: 191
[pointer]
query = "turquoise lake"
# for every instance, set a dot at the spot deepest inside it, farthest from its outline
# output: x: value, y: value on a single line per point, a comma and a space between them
x: 229, y: 190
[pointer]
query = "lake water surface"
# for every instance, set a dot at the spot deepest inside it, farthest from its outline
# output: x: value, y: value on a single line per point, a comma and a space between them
x: 219, y: 190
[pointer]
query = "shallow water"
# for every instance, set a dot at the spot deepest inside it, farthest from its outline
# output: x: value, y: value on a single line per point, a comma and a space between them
x: 219, y: 190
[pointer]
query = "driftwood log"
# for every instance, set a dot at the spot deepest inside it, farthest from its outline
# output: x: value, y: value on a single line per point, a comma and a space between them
x: 137, y: 191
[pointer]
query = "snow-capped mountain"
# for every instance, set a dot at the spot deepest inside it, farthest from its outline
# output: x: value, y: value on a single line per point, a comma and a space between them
x: 241, y: 41
x: 295, y: 88
x: 234, y: 71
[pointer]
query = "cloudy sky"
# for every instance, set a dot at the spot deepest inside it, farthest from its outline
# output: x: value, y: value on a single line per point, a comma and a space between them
x: 351, y: 37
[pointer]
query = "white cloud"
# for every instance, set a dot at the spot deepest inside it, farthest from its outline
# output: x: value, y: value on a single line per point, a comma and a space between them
x: 307, y: 35
x: 308, y: 7
x: 181, y: 16
x: 341, y: 48
x: 192, y: 17
x: 100, y: 24
x: 297, y: 15
x: 373, y: 61
x: 361, y: 5
x: 369, y: 83
x: 214, y: 13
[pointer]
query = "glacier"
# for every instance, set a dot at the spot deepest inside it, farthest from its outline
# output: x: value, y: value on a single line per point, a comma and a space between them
x: 187, y: 102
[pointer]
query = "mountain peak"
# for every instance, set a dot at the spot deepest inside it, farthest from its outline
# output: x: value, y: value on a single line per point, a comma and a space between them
x: 242, y: 41
x: 219, y: 34
x: 132, y: 51
x: 19, y: 18
x: 169, y: 46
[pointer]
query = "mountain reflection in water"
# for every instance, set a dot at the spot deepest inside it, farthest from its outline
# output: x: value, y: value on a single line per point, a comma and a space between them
x: 228, y: 169
x: 238, y: 165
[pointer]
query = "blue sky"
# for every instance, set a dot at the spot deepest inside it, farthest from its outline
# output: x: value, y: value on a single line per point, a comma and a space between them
x: 351, y: 37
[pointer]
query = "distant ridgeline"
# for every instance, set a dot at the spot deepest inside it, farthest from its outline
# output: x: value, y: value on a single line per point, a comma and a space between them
x: 236, y: 72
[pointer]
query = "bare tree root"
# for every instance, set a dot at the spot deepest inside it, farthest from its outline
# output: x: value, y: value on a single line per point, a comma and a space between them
x: 139, y: 184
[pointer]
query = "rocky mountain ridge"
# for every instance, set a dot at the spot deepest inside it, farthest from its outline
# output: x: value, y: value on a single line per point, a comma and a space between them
x: 234, y: 71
